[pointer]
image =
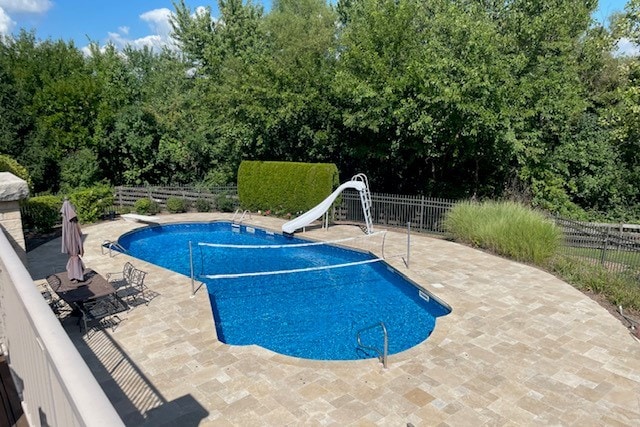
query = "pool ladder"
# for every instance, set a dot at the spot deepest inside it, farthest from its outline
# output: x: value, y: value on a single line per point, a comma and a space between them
x: 108, y: 244
x: 382, y: 355
x: 241, y: 216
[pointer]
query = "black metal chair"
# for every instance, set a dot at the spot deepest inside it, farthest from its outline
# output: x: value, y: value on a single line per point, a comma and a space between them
x: 100, y: 313
x: 129, y: 284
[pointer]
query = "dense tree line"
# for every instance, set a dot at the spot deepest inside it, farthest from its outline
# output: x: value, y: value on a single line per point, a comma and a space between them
x: 454, y: 98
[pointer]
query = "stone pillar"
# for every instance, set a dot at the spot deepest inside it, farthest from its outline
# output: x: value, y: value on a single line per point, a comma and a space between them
x: 12, y: 190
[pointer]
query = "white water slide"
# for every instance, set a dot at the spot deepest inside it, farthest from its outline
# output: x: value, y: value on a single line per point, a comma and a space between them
x: 358, y: 182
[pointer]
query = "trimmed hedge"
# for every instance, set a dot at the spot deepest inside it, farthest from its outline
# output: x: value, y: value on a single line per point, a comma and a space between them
x: 41, y: 213
x: 285, y: 186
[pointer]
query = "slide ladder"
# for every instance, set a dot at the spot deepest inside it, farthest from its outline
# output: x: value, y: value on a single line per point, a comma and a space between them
x: 365, y: 199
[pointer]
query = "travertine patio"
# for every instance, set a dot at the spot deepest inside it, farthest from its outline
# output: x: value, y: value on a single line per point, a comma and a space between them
x: 520, y: 348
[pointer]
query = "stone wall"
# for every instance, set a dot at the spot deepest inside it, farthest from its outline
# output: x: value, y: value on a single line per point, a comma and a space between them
x: 12, y: 190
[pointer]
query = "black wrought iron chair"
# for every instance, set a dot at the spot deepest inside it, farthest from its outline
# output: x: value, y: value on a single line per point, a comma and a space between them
x: 100, y: 313
x: 129, y: 284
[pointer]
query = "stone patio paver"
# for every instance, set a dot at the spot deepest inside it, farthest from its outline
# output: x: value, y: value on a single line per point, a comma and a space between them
x: 520, y: 347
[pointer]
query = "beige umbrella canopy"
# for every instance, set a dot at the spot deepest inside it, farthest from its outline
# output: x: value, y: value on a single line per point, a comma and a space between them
x: 72, y: 241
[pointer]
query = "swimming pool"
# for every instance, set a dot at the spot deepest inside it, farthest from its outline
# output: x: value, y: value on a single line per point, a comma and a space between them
x: 310, y: 314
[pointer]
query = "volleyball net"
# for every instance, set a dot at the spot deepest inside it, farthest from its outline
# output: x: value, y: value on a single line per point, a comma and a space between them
x: 228, y: 261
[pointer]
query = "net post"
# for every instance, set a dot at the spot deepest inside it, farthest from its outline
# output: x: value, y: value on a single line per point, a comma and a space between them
x: 193, y: 291
x: 408, y: 243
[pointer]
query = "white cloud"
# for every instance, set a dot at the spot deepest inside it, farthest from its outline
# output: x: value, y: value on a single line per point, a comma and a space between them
x: 158, y: 20
x: 626, y: 47
x: 26, y: 6
x: 6, y: 23
x: 160, y: 26
x: 154, y: 41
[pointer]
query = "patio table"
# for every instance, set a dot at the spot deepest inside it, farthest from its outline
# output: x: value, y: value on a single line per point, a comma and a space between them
x: 93, y: 287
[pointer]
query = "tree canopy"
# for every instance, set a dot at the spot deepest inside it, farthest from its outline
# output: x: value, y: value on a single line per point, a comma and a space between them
x: 523, y: 99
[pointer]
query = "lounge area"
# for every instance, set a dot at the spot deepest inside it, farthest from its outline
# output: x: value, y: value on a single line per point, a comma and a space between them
x: 520, y: 347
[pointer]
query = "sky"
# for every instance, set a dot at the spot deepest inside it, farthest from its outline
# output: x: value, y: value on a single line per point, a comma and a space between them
x: 134, y: 22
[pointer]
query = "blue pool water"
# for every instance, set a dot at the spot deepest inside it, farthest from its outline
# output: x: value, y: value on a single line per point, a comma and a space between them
x: 312, y: 315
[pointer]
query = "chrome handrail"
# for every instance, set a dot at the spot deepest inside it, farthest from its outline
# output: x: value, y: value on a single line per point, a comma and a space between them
x: 233, y: 219
x: 111, y: 245
x: 382, y: 356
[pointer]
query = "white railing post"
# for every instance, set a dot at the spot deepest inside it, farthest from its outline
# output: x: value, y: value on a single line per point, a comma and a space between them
x: 55, y: 382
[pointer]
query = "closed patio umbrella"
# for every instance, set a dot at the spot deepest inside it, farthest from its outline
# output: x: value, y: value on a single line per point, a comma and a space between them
x: 72, y: 241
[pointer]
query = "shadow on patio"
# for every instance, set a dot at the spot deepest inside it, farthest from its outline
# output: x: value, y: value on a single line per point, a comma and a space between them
x: 135, y: 398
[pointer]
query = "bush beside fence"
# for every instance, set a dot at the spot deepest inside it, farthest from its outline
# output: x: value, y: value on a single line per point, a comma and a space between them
x: 613, y: 246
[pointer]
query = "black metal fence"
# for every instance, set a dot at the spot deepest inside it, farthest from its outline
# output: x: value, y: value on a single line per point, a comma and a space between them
x: 614, y: 246
x: 425, y: 214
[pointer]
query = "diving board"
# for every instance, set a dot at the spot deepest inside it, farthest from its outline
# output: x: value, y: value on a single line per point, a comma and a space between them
x: 140, y: 218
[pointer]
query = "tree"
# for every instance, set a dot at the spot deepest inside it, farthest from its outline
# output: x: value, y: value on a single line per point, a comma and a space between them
x: 55, y: 101
x: 422, y: 89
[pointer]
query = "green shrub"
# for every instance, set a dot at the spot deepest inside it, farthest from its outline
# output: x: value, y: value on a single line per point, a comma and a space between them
x: 285, y: 186
x: 8, y: 164
x: 203, y: 205
x: 176, y: 205
x: 41, y: 213
x: 92, y: 202
x: 121, y: 210
x: 225, y: 203
x: 146, y: 206
x: 506, y: 228
x: 618, y: 288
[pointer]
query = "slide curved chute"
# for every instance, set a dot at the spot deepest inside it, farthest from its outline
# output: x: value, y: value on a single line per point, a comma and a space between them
x: 319, y: 210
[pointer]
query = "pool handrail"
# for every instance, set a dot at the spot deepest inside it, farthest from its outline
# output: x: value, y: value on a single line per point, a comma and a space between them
x: 112, y: 245
x: 382, y: 355
x: 233, y: 219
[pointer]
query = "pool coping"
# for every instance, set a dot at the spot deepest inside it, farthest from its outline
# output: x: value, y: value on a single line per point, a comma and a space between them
x: 520, y: 347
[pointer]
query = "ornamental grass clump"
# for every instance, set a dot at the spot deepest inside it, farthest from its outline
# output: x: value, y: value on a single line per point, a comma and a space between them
x: 506, y: 228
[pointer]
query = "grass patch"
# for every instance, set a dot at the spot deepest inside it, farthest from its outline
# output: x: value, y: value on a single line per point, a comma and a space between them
x: 619, y: 288
x: 506, y: 228
x: 628, y: 258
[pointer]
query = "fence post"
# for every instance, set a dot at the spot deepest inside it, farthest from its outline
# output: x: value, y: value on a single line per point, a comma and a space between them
x: 421, y: 228
x: 603, y: 255
x: 621, y: 236
x: 408, y: 242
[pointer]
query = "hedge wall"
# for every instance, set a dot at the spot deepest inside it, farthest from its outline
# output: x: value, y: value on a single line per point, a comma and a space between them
x: 286, y: 187
x: 41, y: 213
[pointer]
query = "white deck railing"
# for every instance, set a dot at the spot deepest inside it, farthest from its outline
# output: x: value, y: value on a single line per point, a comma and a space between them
x: 56, y: 386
